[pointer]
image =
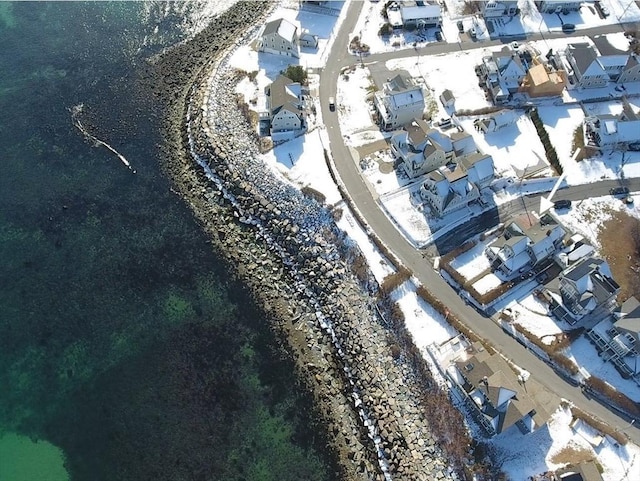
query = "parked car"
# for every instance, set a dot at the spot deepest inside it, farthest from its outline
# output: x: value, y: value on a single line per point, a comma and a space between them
x: 568, y: 27
x: 460, y: 26
x: 444, y: 123
x: 619, y: 191
x: 515, y: 45
x: 562, y: 204
x: 438, y: 35
x: 604, y: 11
x: 628, y: 200
x: 332, y: 104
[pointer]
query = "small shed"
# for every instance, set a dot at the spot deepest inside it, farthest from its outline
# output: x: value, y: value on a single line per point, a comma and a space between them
x: 447, y: 98
x: 308, y: 40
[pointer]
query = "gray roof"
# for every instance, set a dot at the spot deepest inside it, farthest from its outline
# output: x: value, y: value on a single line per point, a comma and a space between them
x: 582, y: 268
x: 401, y: 82
x: 490, y: 374
x: 630, y: 322
x: 583, y: 55
x: 281, y: 96
x: 282, y: 27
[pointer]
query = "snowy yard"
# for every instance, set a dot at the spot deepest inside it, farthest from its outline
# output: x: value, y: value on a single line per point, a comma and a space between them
x: 516, y: 150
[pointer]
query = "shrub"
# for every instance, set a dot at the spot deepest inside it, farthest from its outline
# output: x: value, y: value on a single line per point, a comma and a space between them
x: 385, y: 30
x: 314, y: 194
x: 297, y: 73
x: 615, y: 396
x: 394, y: 280
x: 578, y: 413
x: 549, y: 149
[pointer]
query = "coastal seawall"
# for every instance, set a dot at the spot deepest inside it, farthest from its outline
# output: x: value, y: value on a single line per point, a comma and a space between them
x: 287, y: 250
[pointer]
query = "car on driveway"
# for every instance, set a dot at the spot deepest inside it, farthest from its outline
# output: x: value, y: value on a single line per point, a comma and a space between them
x: 438, y: 35
x: 619, y: 191
x: 460, y: 26
x: 562, y: 204
x: 568, y: 27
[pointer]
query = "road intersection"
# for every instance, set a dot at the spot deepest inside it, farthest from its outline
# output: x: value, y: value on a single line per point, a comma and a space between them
x: 362, y: 199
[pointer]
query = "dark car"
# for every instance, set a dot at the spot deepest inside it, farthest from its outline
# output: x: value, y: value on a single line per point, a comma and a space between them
x: 619, y: 191
x: 562, y: 204
x: 568, y: 27
x: 460, y: 26
x: 332, y: 104
x: 438, y: 35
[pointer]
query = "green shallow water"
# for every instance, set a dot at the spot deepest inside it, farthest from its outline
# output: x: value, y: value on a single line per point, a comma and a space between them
x: 123, y: 341
x: 26, y: 460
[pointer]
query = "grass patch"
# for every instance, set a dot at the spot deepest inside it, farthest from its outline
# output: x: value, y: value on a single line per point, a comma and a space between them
x: 620, y: 240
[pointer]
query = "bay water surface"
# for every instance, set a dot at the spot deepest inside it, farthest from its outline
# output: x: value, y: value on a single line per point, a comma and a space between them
x: 126, y: 351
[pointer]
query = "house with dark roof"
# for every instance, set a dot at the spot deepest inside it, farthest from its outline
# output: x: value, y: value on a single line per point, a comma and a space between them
x: 590, y: 69
x: 587, y: 285
x: 285, y: 105
x: 399, y: 102
x: 618, y: 338
x: 456, y: 185
x: 521, y: 248
x: 420, y: 149
x: 586, y: 68
x: 631, y: 70
x: 495, y: 392
x: 279, y: 37
x: 448, y: 189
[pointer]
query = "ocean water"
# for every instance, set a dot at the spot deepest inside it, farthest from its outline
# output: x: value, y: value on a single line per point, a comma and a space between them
x: 126, y: 352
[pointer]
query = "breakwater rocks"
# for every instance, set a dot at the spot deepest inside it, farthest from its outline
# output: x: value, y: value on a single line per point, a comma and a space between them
x: 286, y: 248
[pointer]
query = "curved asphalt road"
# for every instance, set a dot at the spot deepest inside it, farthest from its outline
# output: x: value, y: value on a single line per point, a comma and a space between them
x: 411, y: 257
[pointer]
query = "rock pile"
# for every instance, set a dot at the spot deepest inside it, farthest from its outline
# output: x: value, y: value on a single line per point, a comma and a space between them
x: 367, y: 399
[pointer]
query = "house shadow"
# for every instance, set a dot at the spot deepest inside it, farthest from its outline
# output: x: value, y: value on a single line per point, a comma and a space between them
x: 474, y: 226
x: 289, y: 152
x: 273, y: 65
x: 319, y: 20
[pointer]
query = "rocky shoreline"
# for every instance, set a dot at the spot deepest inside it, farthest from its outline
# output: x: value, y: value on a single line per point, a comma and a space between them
x: 287, y: 250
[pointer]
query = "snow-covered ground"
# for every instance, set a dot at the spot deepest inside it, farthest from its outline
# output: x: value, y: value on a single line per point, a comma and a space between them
x: 515, y: 150
x: 530, y: 20
x: 544, y: 450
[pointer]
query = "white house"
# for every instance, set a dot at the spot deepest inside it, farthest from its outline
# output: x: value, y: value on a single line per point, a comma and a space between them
x: 419, y: 149
x: 279, y: 37
x: 399, y: 102
x: 559, y: 6
x: 586, y: 67
x: 479, y: 167
x: 619, y: 341
x: 448, y: 189
x: 502, y: 72
x: 498, y: 8
x: 611, y: 131
x: 587, y: 285
x: 631, y: 71
x: 421, y: 16
x: 285, y: 105
x: 495, y: 121
x: 521, y: 248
